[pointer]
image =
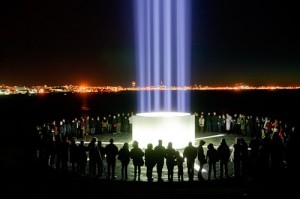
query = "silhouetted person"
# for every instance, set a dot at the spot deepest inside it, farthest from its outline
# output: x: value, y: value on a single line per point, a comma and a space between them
x: 212, y: 159
x: 160, y: 154
x: 100, y: 162
x: 179, y: 162
x: 236, y: 158
x: 124, y: 157
x: 170, y: 161
x: 224, y: 155
x: 137, y: 155
x: 264, y: 157
x: 111, y: 151
x: 149, y: 161
x: 82, y: 149
x: 190, y: 153
x: 208, y: 122
x: 49, y: 148
x: 37, y: 143
x: 201, y: 158
x: 62, y: 155
x: 254, y: 146
x: 74, y: 155
x: 277, y: 153
x: 244, y: 159
x: 93, y: 155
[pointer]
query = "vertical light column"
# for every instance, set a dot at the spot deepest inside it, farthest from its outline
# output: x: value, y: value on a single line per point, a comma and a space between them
x: 182, y: 51
x: 148, y: 49
x: 167, y: 37
x: 163, y: 50
x: 156, y: 51
x: 140, y: 31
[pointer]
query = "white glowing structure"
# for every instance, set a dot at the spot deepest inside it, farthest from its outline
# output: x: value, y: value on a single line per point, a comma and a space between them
x: 175, y: 127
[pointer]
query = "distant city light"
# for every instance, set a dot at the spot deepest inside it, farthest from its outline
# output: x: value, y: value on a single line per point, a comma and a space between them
x: 35, y: 90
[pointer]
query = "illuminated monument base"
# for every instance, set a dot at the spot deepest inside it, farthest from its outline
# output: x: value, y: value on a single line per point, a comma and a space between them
x: 175, y: 127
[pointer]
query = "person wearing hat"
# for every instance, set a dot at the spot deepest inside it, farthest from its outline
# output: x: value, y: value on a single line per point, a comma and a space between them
x: 201, y: 158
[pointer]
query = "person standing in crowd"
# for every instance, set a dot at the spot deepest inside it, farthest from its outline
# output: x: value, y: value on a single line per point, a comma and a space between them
x: 214, y: 122
x: 129, y: 116
x: 111, y: 152
x: 94, y: 156
x: 149, y: 161
x: 137, y: 155
x: 197, y: 129
x: 224, y: 154
x: 160, y: 154
x: 208, y: 122
x: 228, y: 122
x: 190, y: 153
x: 62, y: 153
x: 114, y: 125
x: 254, y: 146
x: 92, y: 126
x: 179, y: 162
x: 82, y: 159
x: 236, y: 157
x: 244, y: 159
x: 110, y: 124
x: 104, y: 125
x: 101, y: 163
x: 118, y: 123
x: 125, y: 125
x: 212, y: 159
x: 201, y: 158
x: 170, y: 161
x: 201, y: 123
x: 124, y: 157
x: 74, y: 155
x: 98, y: 126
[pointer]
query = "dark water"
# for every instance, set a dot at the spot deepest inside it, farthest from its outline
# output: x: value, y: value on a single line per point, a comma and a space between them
x: 281, y: 104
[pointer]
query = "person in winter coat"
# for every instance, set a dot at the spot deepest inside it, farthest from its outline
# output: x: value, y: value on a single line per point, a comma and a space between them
x: 224, y: 154
x: 136, y: 154
x: 212, y: 159
x: 124, y: 157
x: 201, y: 158
x: 149, y: 162
x: 190, y: 153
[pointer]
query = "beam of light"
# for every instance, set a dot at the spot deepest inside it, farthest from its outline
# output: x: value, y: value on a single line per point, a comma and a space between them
x: 140, y: 37
x: 167, y: 36
x: 163, y: 53
x: 148, y: 51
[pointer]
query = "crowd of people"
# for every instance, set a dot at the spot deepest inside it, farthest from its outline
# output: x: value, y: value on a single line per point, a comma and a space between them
x: 270, y: 149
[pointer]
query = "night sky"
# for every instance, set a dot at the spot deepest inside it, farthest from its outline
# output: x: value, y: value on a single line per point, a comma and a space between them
x: 60, y: 42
